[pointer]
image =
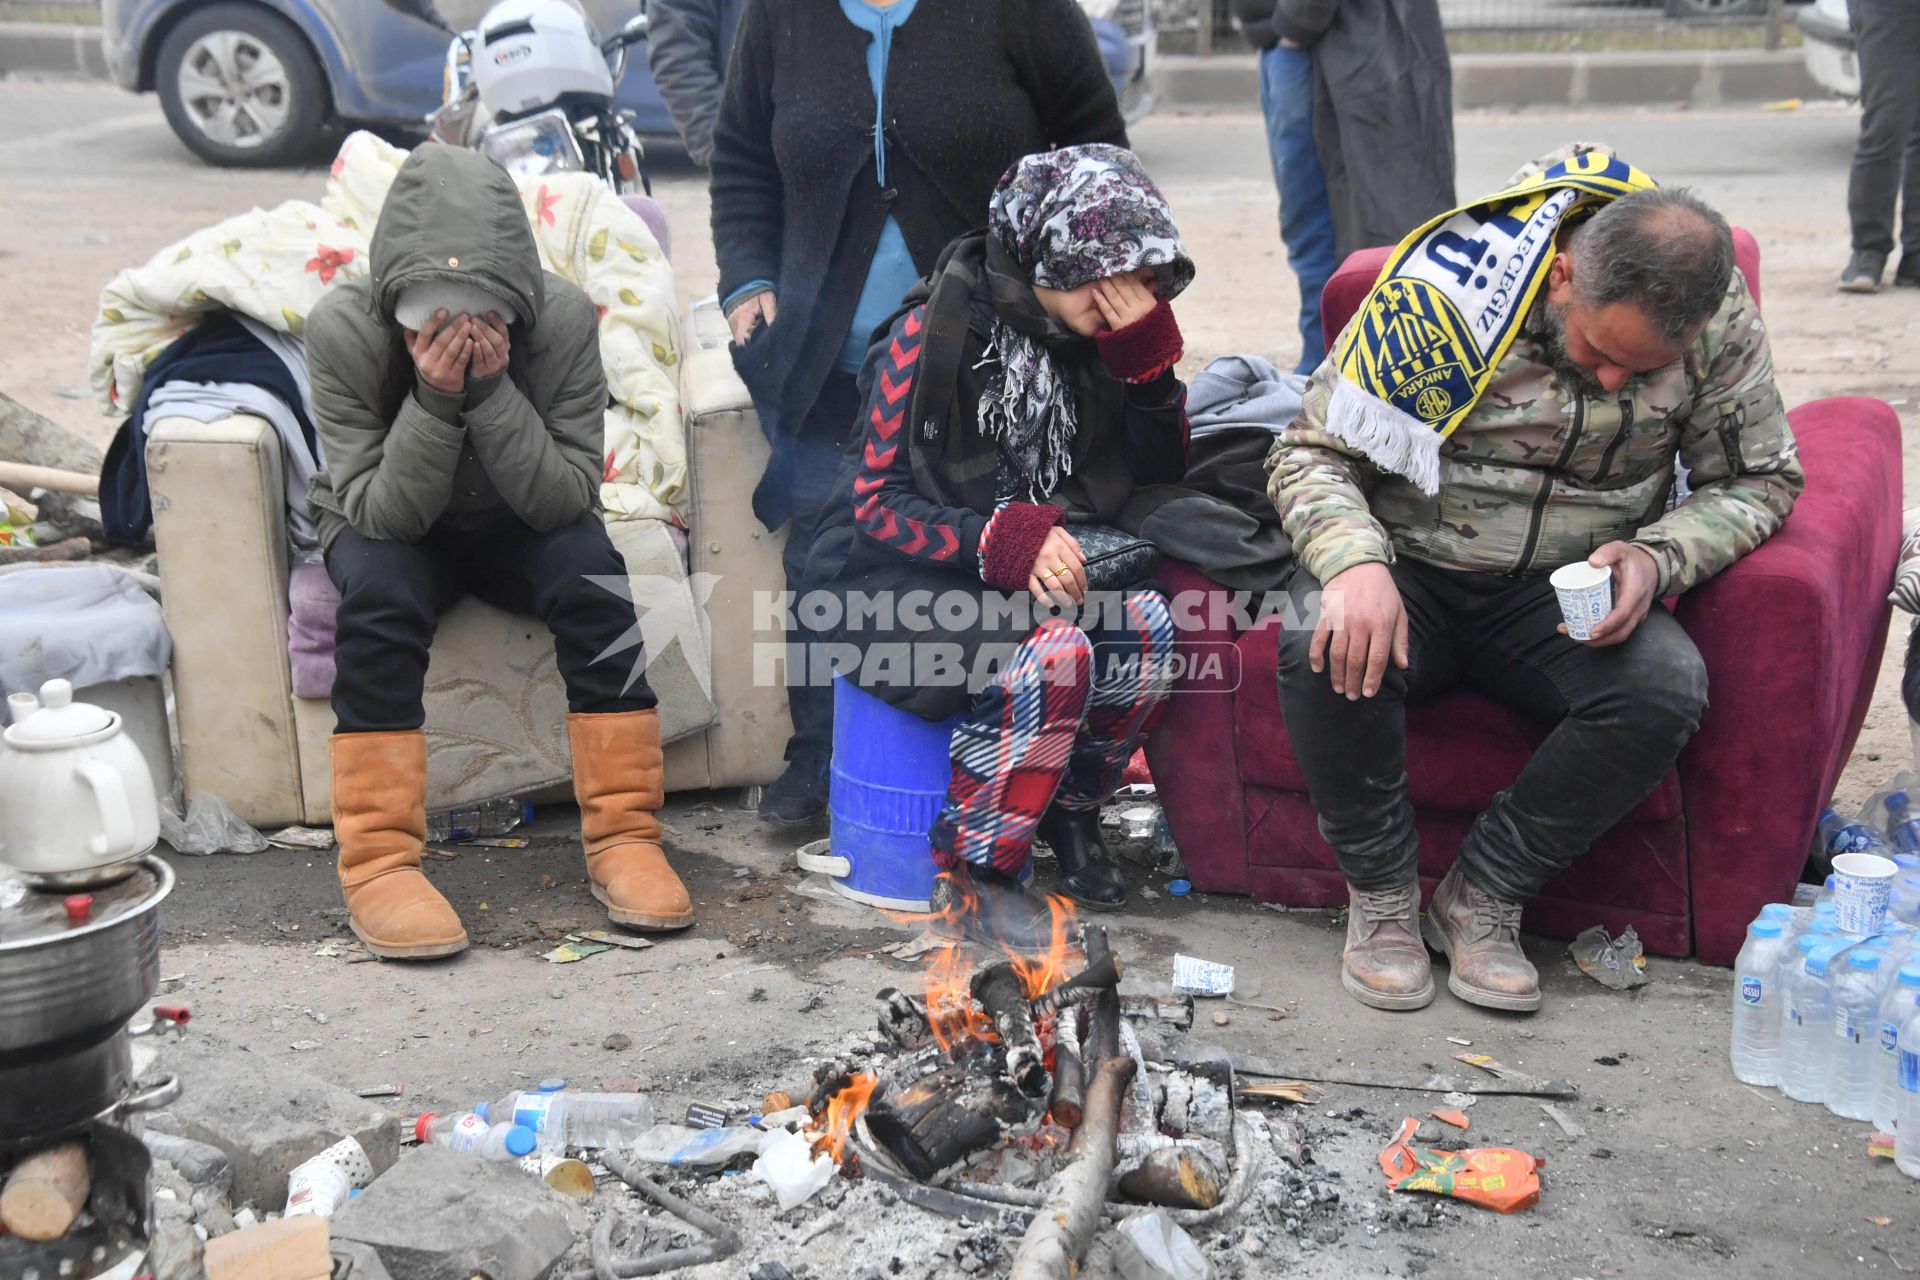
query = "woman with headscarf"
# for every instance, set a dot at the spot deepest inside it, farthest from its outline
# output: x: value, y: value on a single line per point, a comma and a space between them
x: 856, y: 139
x: 1026, y: 389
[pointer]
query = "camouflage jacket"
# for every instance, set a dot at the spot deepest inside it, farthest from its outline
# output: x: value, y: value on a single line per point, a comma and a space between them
x: 1537, y: 477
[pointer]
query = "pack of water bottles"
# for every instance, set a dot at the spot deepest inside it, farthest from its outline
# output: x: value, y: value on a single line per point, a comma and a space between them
x: 1832, y: 1016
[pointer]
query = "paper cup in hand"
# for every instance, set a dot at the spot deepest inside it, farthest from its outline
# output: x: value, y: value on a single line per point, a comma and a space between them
x: 1862, y: 883
x: 1586, y: 596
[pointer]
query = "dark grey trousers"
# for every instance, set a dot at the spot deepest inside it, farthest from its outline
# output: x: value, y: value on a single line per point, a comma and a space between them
x: 1619, y: 714
x: 1886, y: 160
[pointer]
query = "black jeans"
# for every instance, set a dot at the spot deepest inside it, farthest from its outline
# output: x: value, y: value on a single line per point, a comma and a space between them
x: 1620, y: 716
x: 393, y: 593
x: 1886, y: 160
x: 800, y: 479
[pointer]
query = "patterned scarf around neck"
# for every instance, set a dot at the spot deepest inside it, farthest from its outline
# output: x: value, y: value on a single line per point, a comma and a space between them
x: 1068, y: 217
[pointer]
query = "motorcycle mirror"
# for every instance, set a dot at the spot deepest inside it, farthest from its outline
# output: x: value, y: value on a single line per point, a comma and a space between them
x: 633, y: 32
x: 423, y: 10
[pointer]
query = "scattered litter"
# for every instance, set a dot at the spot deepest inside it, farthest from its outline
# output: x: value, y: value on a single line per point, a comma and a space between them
x: 1179, y: 888
x: 1881, y: 1222
x: 1459, y: 1101
x: 1152, y: 1246
x: 302, y: 838
x: 1195, y: 977
x: 625, y: 941
x: 572, y: 952
x: 320, y: 1185
x: 1499, y: 1178
x: 1782, y: 104
x: 1879, y: 1146
x: 1449, y: 1115
x: 1487, y: 1062
x: 393, y: 1090
x: 1462, y: 1040
x: 788, y: 1165
x: 1149, y: 894
x: 1561, y: 1118
x: 1221, y: 1019
x: 445, y: 855
x: 499, y: 842
x: 1618, y: 963
x: 209, y: 827
x: 1281, y: 1090
x: 914, y: 948
x: 618, y: 1042
x: 301, y: 1046
x: 704, y: 1115
x: 570, y: 1177
x: 742, y: 873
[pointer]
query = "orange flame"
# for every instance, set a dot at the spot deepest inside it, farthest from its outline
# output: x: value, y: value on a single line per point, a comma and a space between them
x: 1037, y: 977
x: 843, y: 1109
x: 952, y: 1016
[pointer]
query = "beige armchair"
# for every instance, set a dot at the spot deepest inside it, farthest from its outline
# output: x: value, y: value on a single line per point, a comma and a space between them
x: 495, y: 703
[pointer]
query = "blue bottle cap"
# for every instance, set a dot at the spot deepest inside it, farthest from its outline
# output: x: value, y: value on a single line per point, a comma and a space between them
x: 1909, y: 976
x: 484, y: 1110
x: 1897, y: 799
x: 1907, y: 861
x: 1179, y: 888
x: 1776, y: 911
x: 1808, y: 941
x: 1826, y: 907
x: 1829, y: 883
x: 552, y: 1084
x: 526, y: 811
x: 520, y: 1141
x: 1764, y: 929
x: 1864, y: 958
x: 1822, y: 926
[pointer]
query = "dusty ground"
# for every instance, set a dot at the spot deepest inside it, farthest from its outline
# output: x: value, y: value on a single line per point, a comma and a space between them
x: 1682, y: 1172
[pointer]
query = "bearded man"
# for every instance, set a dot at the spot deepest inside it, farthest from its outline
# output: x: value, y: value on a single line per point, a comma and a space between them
x: 1512, y: 398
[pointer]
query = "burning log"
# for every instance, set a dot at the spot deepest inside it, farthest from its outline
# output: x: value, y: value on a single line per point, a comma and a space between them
x: 1000, y: 992
x: 1179, y: 1175
x: 1085, y: 985
x: 903, y: 1020
x: 46, y: 1191
x: 1103, y: 1028
x: 1069, y: 1072
x: 942, y: 1118
x: 1058, y: 1236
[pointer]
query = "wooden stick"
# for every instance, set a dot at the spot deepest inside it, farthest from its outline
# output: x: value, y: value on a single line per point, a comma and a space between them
x: 46, y: 1192
x: 1058, y: 1236
x: 997, y: 988
x: 1103, y: 1028
x: 1068, y: 1104
x: 21, y: 477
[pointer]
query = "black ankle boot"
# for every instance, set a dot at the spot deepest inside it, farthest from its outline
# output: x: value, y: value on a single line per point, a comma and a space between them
x: 989, y: 906
x: 798, y: 797
x: 1087, y: 874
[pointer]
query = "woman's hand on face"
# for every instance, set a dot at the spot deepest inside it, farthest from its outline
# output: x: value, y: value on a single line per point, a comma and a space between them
x: 490, y: 347
x: 760, y: 308
x: 441, y: 349
x: 1060, y: 571
x: 1123, y: 299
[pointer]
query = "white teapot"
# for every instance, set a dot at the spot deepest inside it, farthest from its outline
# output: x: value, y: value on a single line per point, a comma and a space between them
x: 77, y: 804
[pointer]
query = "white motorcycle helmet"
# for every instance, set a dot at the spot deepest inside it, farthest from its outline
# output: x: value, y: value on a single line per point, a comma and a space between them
x: 531, y: 53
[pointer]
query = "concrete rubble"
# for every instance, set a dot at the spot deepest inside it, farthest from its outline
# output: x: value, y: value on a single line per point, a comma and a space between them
x: 444, y: 1215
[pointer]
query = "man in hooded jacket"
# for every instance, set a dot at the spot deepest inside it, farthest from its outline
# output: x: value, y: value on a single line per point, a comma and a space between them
x: 459, y: 398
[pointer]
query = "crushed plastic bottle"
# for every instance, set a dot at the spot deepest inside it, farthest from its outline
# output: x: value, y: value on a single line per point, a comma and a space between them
x: 1838, y: 835
x: 471, y: 1133
x: 470, y: 822
x: 674, y: 1144
x: 1903, y: 828
x: 565, y: 1118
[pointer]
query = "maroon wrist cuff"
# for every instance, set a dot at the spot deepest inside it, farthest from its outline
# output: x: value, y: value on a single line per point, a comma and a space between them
x: 1019, y: 530
x: 1144, y: 349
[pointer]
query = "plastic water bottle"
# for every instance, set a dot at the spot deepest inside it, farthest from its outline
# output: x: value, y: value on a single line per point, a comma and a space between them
x: 1857, y: 990
x: 1903, y: 828
x: 1900, y: 1000
x: 1906, y: 1148
x: 1806, y: 1029
x: 1903, y: 901
x: 570, y: 1119
x: 471, y: 1133
x: 1756, y: 1003
x: 494, y: 818
x: 1838, y: 835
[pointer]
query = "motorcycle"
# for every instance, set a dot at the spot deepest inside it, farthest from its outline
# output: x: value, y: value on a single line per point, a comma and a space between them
x: 532, y: 88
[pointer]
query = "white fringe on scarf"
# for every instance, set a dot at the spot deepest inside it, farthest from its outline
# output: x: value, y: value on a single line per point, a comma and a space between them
x: 1029, y: 408
x: 1392, y: 440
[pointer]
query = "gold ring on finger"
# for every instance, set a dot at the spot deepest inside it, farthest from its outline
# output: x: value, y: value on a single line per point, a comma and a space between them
x: 1047, y: 573
x: 1061, y: 569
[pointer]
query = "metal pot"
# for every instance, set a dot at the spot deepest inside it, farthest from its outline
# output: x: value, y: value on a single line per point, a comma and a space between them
x: 67, y: 991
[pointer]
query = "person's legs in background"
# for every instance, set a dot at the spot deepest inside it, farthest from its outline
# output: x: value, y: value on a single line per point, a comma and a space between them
x: 810, y: 465
x: 1306, y: 217
x: 1888, y: 41
x: 391, y: 596
x: 1132, y: 675
x: 572, y: 579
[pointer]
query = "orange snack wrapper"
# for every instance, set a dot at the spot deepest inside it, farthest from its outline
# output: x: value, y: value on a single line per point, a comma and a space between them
x: 1499, y: 1178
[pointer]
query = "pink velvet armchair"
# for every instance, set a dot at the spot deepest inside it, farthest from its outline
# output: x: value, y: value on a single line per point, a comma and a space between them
x: 1792, y: 636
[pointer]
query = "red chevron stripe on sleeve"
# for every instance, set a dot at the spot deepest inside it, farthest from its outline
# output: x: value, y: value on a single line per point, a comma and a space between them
x: 885, y: 481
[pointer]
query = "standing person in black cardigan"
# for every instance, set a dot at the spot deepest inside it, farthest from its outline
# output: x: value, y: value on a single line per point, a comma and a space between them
x: 856, y: 139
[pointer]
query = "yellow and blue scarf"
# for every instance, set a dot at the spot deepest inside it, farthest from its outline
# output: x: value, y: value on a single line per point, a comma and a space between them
x: 1445, y: 308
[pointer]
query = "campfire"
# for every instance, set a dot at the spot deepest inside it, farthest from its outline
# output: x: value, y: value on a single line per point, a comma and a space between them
x: 1015, y: 1082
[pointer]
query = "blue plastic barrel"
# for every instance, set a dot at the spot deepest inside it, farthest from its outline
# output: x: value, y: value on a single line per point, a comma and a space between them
x: 890, y: 772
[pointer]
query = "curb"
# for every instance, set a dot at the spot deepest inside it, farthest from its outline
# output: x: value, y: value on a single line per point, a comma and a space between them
x: 51, y: 49
x: 1699, y: 78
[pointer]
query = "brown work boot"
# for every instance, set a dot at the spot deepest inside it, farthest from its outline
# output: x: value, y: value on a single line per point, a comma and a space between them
x: 380, y: 821
x: 618, y: 778
x: 1385, y: 964
x: 1480, y: 936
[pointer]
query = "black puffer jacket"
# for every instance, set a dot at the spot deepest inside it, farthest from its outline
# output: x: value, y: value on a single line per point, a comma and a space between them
x: 972, y: 85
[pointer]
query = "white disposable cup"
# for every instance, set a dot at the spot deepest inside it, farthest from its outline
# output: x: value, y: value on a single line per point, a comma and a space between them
x: 1586, y: 596
x: 322, y: 1184
x: 1862, y: 883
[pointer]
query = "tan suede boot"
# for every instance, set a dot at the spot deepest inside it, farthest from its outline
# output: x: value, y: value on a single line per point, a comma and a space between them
x: 1480, y: 936
x: 1385, y: 964
x: 380, y: 821
x: 617, y: 777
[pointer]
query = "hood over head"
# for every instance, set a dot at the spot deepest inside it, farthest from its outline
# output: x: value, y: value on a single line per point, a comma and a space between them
x: 453, y: 215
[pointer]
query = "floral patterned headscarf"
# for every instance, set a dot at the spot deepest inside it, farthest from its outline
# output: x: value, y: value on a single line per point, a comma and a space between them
x: 1068, y: 217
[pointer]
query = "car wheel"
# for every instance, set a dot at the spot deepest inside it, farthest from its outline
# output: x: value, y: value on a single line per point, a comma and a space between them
x: 1715, y: 8
x: 240, y: 86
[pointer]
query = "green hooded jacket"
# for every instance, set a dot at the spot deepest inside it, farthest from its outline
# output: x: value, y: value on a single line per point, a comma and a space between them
x: 527, y: 442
